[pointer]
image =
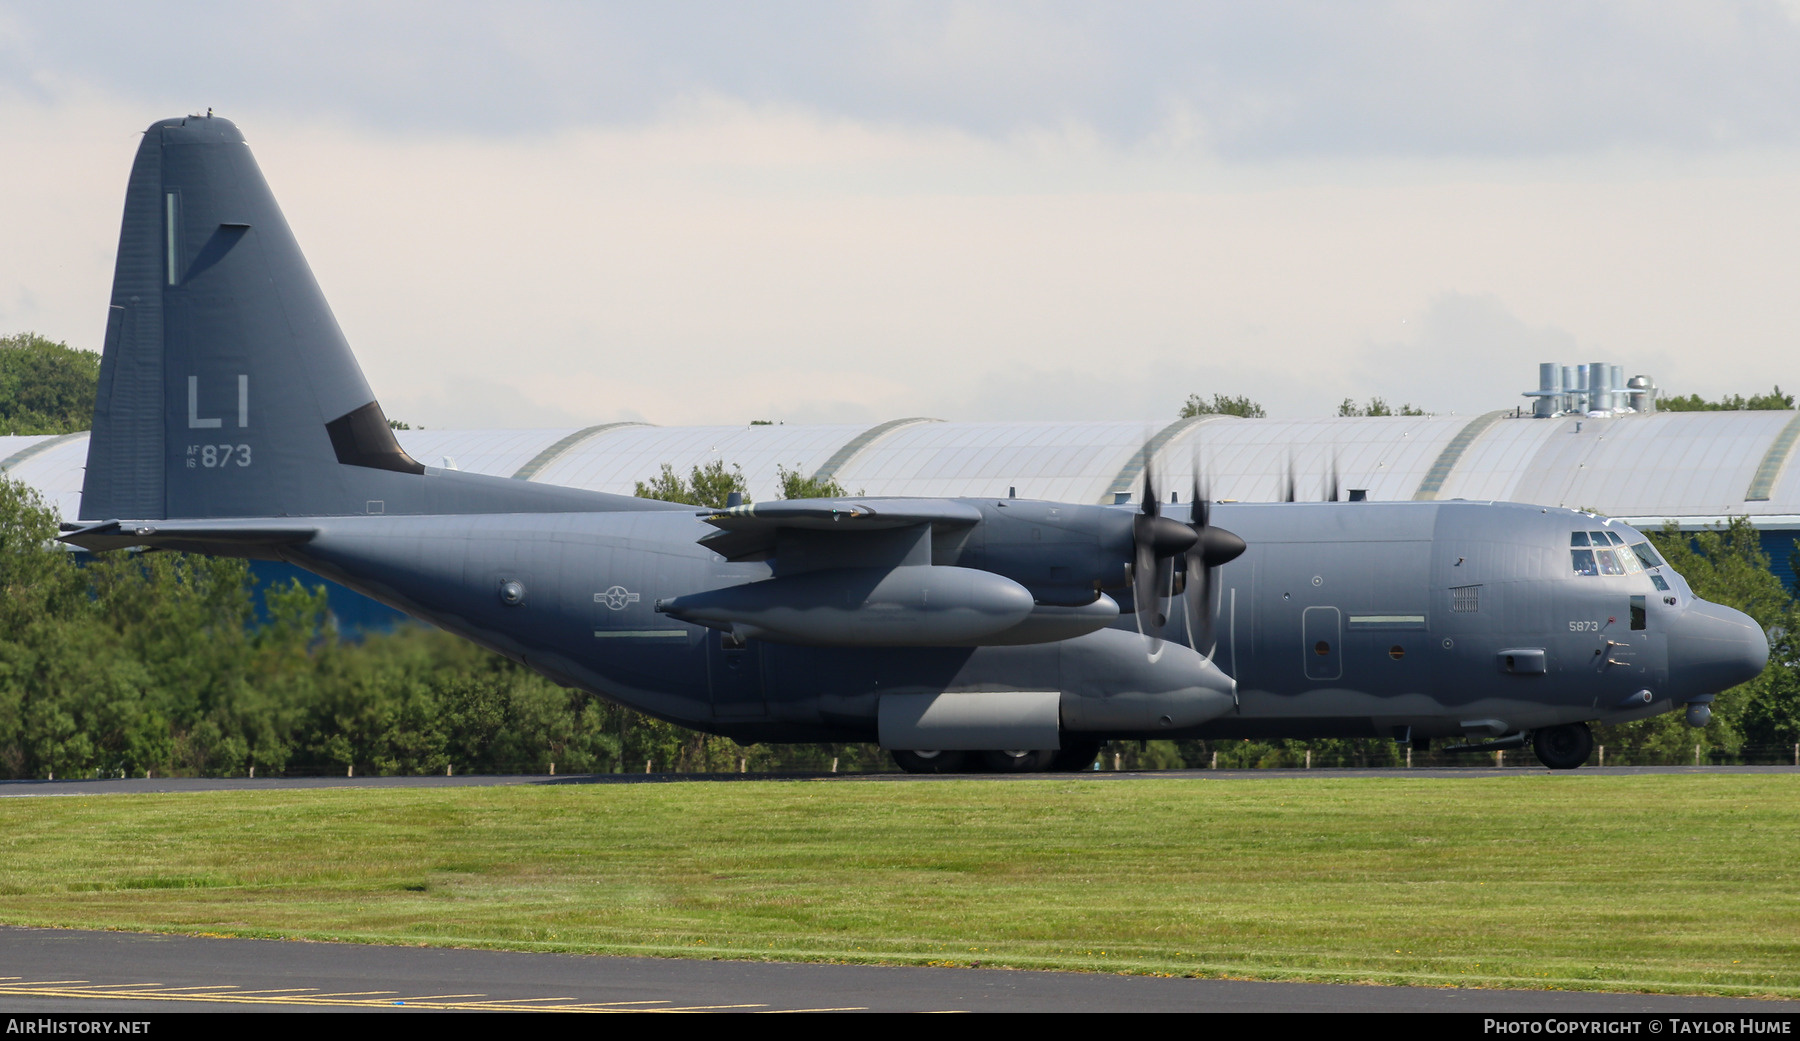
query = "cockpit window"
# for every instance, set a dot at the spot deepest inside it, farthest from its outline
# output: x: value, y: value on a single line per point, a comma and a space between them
x: 1609, y: 554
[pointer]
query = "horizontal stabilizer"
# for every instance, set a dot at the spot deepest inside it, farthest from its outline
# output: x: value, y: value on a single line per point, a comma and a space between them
x: 250, y: 537
x: 749, y: 532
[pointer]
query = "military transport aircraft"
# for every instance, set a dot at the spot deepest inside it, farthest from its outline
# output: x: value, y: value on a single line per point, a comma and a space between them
x: 959, y: 633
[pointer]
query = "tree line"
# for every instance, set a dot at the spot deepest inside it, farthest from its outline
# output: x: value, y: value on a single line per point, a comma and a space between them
x: 171, y: 664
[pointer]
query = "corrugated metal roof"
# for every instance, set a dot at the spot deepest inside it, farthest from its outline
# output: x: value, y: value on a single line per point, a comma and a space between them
x: 1693, y: 465
x: 1249, y: 460
x: 498, y: 452
x: 616, y: 460
x: 54, y: 465
x: 1067, y: 462
x: 1686, y: 462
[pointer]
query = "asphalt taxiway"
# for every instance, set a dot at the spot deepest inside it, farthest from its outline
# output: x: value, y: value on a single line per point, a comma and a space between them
x: 54, y: 970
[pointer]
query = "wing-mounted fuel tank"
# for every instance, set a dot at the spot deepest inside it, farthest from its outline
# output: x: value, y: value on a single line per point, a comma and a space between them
x: 919, y: 605
x: 926, y: 572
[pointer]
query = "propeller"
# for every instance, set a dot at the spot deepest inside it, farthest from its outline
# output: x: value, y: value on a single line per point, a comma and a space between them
x: 1212, y: 548
x: 1289, y: 491
x: 1153, y: 538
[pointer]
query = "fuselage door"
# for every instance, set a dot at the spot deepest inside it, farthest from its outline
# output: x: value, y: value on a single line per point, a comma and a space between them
x: 1322, y: 643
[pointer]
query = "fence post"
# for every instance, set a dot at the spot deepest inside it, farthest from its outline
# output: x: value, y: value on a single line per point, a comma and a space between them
x: 1409, y: 757
x: 1696, y: 753
x: 1309, y: 759
x: 1602, y: 755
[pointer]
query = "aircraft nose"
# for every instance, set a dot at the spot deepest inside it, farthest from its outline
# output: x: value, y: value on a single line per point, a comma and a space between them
x: 1713, y: 647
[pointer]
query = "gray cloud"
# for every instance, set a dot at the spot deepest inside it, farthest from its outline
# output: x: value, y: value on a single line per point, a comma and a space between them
x: 1248, y: 81
x: 1470, y: 353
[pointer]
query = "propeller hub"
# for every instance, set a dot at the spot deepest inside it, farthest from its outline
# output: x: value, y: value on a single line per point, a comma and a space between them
x: 1166, y: 537
x: 1218, y: 546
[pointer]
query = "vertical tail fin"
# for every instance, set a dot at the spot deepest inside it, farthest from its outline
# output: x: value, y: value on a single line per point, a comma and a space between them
x: 226, y: 387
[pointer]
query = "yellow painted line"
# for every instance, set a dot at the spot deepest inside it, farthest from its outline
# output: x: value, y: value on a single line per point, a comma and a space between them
x: 170, y: 987
x: 846, y: 1008
x: 234, y: 999
x: 226, y: 994
x: 609, y: 1004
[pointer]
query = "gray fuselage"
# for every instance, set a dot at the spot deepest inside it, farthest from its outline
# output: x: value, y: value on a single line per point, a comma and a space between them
x: 1340, y: 619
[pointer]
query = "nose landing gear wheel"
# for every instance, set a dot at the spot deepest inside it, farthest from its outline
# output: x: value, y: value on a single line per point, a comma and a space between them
x: 924, y: 761
x: 1565, y: 747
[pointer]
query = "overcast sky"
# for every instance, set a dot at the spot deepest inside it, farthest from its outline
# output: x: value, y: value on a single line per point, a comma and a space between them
x: 536, y: 215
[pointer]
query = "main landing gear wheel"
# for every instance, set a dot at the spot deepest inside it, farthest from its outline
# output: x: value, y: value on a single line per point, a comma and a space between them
x: 1565, y: 747
x: 1075, y: 756
x: 1022, y: 761
x: 923, y: 761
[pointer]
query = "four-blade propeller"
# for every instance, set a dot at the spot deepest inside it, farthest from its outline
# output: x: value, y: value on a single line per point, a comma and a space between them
x: 1212, y: 547
x: 1202, y: 547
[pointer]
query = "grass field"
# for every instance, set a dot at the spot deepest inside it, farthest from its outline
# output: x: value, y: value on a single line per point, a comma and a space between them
x: 1681, y: 883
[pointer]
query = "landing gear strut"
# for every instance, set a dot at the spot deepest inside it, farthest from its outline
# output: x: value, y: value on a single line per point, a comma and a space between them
x: 1563, y: 747
x: 930, y: 762
x: 1018, y: 761
x: 1075, y: 756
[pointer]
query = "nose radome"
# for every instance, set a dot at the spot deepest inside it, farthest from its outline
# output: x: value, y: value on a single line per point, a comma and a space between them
x: 1712, y: 648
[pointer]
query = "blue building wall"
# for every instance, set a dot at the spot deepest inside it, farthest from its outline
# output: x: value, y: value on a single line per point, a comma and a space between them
x: 1779, y: 545
x: 353, y: 612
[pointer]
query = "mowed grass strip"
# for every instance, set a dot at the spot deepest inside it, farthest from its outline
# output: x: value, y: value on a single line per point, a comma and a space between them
x: 1683, y: 883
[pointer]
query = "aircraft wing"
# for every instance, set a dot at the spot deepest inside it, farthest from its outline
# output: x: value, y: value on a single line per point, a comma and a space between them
x: 254, y: 537
x: 748, y: 532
